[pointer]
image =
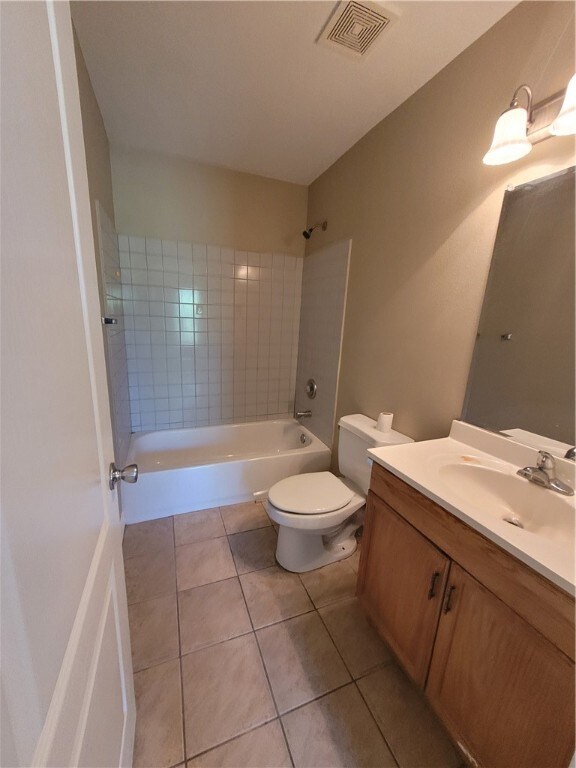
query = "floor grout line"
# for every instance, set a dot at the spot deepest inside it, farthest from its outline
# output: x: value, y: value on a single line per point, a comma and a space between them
x: 232, y: 738
x: 380, y: 730
x: 218, y: 642
x: 266, y: 674
x: 183, y: 718
x: 200, y: 541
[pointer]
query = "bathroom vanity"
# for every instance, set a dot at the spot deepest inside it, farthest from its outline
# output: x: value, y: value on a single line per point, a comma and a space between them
x: 478, y: 611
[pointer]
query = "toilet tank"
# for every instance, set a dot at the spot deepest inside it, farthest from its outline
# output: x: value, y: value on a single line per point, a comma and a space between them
x: 357, y: 434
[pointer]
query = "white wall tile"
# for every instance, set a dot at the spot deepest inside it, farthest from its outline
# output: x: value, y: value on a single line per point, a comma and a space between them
x: 205, y: 323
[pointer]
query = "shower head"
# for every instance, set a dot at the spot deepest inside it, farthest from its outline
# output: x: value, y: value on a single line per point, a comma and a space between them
x: 308, y: 232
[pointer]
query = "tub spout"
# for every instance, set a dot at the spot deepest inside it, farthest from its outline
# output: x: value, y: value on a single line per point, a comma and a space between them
x: 302, y: 414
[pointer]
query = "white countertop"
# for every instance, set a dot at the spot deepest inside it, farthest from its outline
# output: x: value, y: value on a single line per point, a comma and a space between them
x: 421, y: 466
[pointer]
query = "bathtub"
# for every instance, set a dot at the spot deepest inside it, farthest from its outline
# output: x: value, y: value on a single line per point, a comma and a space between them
x: 182, y: 470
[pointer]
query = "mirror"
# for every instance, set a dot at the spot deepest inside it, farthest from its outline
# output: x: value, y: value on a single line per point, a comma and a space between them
x: 521, y: 379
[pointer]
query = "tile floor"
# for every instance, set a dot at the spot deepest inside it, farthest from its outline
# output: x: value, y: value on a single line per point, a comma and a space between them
x: 240, y: 663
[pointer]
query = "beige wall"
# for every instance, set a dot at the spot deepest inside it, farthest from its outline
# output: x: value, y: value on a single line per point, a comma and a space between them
x: 95, y: 144
x: 422, y: 211
x: 174, y: 198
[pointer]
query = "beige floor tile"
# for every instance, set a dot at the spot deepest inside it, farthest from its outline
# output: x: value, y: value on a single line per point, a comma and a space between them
x: 244, y: 517
x: 411, y: 729
x: 264, y: 747
x: 301, y: 660
x: 354, y: 636
x: 204, y: 562
x: 211, y: 614
x: 355, y: 560
x: 274, y: 594
x: 149, y: 576
x: 197, y: 526
x: 146, y: 538
x: 225, y: 693
x: 153, y: 631
x: 254, y: 550
x: 159, y: 740
x: 337, y: 730
x: 331, y: 583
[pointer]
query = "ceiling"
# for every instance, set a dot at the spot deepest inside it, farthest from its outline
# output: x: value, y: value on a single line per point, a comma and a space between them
x: 245, y: 86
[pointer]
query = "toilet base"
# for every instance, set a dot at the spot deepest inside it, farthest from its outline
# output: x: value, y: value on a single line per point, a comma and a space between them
x: 300, y: 551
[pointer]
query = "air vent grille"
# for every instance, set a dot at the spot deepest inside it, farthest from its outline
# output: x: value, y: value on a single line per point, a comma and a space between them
x: 355, y: 27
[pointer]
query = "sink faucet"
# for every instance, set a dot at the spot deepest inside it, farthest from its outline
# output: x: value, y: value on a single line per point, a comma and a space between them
x: 302, y: 414
x: 570, y: 454
x: 543, y: 474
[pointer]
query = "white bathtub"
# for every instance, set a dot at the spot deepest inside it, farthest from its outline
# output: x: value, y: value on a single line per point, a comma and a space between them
x: 182, y: 470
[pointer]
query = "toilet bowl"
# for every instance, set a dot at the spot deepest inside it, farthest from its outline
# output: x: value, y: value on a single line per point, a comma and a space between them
x: 318, y: 513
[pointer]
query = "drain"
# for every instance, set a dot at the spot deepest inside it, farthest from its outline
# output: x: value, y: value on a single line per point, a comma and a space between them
x: 513, y: 520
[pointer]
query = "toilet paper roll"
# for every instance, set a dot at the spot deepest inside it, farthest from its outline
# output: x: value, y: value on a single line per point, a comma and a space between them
x: 384, y: 422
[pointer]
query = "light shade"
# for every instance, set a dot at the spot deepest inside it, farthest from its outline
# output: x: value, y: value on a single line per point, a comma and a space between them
x: 565, y: 123
x: 509, y: 142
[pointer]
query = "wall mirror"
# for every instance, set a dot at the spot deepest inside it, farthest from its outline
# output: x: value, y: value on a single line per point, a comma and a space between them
x: 521, y: 379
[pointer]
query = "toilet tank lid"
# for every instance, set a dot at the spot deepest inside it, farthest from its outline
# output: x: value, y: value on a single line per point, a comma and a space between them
x: 365, y: 428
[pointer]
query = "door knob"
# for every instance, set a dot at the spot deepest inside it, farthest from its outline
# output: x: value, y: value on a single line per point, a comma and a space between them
x: 129, y: 474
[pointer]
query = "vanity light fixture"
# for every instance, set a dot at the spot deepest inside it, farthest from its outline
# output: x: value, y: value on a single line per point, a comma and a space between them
x: 565, y: 123
x: 519, y: 128
x: 510, y: 141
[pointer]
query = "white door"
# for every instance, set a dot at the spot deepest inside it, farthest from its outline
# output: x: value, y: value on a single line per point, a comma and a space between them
x: 67, y: 695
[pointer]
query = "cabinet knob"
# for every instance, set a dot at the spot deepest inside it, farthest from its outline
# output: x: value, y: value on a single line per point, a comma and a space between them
x: 448, y: 602
x: 432, y: 589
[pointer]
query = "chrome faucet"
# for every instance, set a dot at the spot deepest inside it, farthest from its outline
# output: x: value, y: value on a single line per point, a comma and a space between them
x: 543, y: 474
x: 570, y: 454
x: 302, y: 414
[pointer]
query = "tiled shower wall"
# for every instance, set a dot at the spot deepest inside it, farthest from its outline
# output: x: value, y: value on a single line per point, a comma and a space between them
x: 211, y: 333
x: 114, y: 340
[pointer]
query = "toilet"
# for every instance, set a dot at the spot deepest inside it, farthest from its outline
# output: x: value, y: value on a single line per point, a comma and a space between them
x: 318, y: 513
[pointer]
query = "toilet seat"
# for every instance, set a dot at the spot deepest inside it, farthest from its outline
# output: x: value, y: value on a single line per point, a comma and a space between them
x: 313, y: 493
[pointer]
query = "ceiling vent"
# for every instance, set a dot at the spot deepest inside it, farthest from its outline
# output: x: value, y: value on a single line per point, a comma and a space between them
x: 354, y: 28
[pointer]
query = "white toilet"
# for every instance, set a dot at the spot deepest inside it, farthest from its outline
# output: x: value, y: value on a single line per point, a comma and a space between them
x: 319, y: 513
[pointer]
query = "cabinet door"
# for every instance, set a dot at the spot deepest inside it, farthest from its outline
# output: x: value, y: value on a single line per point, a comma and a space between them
x: 504, y: 691
x: 402, y: 578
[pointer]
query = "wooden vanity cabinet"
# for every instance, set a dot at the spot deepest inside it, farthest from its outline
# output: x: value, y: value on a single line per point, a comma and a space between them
x: 403, y: 587
x: 503, y: 689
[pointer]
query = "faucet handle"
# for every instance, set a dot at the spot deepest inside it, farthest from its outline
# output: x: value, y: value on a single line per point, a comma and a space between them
x: 545, y: 460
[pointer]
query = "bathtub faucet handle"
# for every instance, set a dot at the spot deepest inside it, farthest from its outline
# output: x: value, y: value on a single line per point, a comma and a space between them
x: 129, y: 474
x: 302, y: 414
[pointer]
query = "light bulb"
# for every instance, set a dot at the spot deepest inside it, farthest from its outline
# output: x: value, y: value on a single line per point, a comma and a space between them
x: 565, y: 123
x: 509, y: 142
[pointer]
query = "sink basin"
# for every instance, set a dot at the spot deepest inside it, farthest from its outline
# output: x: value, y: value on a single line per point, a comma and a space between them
x: 534, y: 510
x: 472, y: 475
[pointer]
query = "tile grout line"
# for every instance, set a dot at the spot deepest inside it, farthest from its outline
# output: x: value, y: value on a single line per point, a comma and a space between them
x: 353, y: 679
x: 227, y: 741
x: 318, y: 698
x: 328, y: 631
x: 327, y: 693
x: 216, y: 644
x: 373, y: 716
x: 266, y: 673
x: 179, y: 648
x: 180, y: 643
